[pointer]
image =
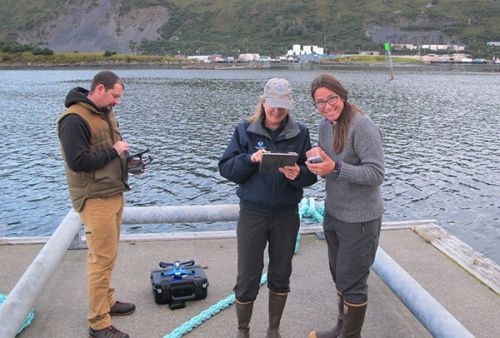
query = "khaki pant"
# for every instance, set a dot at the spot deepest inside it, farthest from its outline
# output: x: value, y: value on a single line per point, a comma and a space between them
x: 102, y: 218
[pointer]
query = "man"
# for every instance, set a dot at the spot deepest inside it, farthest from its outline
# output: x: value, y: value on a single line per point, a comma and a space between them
x: 96, y: 171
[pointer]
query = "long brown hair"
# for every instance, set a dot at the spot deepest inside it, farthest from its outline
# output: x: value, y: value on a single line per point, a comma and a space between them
x: 342, y: 124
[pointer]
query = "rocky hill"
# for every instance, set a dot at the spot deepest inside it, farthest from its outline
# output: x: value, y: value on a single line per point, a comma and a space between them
x: 232, y: 26
x: 86, y: 25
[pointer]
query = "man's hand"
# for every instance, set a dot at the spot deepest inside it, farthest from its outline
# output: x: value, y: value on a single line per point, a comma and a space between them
x: 120, y: 147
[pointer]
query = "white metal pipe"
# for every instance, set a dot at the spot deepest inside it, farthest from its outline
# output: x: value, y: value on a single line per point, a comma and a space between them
x: 426, y: 309
x: 184, y: 214
x: 433, y: 316
x: 22, y: 297
x: 181, y: 214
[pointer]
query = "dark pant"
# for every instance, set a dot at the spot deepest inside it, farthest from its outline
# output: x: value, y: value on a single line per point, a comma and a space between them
x: 254, y: 231
x: 351, y: 252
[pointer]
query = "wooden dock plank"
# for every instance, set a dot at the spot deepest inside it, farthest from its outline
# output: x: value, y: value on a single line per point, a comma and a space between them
x: 483, y: 268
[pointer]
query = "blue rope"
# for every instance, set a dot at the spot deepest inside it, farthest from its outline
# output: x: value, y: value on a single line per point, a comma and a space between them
x: 307, y: 209
x: 206, y: 314
x: 27, y: 320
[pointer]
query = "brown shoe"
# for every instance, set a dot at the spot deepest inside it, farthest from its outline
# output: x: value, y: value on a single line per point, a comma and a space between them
x: 109, y: 332
x: 121, y: 309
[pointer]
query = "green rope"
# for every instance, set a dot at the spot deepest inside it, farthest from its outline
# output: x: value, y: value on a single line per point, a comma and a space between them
x: 203, y: 316
x: 27, y: 320
x: 307, y: 209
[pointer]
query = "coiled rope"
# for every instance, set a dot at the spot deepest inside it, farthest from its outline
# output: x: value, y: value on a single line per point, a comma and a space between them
x: 307, y: 210
x: 27, y: 320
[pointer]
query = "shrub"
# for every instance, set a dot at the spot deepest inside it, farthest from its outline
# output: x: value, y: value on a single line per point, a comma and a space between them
x: 108, y: 53
x: 42, y: 51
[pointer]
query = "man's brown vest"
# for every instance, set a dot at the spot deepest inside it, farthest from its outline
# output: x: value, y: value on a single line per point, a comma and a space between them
x: 110, y: 179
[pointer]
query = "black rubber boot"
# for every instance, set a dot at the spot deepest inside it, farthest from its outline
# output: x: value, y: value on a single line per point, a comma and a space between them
x: 244, y: 314
x: 277, y: 303
x: 353, y: 320
x: 335, y: 331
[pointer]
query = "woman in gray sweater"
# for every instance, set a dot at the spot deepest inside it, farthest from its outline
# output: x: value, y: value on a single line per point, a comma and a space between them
x: 351, y: 159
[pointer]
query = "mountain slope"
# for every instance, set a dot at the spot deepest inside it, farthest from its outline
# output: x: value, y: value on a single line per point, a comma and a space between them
x: 232, y: 26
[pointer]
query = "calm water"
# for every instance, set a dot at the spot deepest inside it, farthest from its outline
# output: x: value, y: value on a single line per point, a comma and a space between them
x: 441, y: 139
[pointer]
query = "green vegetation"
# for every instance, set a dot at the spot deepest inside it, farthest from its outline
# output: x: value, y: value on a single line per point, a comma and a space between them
x: 108, y: 53
x: 112, y: 58
x: 79, y: 59
x: 369, y: 59
x: 14, y: 47
x: 14, y: 54
x: 271, y: 26
x: 25, y: 15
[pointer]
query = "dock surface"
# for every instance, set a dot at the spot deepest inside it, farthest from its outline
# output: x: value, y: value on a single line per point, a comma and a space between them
x: 60, y: 311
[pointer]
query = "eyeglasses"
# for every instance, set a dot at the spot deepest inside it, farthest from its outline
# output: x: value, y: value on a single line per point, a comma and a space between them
x: 331, y: 100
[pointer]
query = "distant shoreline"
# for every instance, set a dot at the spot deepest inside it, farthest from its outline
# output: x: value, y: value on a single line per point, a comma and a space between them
x: 95, y: 60
x: 110, y: 65
x: 243, y: 66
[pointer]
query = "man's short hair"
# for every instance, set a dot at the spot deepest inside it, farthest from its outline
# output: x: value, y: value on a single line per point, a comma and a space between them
x: 107, y: 78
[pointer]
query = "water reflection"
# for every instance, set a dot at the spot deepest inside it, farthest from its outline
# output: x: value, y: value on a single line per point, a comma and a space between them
x: 440, y: 129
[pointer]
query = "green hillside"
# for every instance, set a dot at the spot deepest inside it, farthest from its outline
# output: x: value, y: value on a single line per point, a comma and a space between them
x: 18, y: 15
x: 272, y: 26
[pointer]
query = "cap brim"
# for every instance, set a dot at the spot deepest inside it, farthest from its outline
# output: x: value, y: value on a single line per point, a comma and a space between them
x: 279, y: 103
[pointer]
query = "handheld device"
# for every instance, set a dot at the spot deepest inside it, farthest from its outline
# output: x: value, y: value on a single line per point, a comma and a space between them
x: 315, y: 159
x: 271, y: 162
x: 136, y: 165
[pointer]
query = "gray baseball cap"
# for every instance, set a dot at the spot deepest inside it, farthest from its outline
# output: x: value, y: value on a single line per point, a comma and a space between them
x: 277, y: 93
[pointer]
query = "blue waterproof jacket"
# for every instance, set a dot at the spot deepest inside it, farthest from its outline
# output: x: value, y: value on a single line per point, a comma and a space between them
x: 266, y: 192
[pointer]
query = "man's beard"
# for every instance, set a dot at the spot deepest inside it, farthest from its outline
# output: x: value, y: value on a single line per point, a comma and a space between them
x: 107, y: 109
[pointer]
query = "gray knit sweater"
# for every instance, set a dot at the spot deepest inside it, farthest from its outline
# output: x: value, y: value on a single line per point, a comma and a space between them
x: 354, y: 195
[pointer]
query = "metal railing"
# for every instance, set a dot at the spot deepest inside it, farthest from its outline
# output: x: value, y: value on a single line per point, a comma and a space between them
x: 22, y: 297
x: 432, y: 315
x: 429, y: 312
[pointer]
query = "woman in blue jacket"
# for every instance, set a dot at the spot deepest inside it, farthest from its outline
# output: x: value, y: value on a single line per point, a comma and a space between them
x: 268, y: 202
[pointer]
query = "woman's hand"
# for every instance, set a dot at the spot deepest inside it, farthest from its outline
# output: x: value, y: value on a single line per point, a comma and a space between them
x: 314, y: 151
x: 323, y: 168
x: 291, y: 172
x: 257, y: 156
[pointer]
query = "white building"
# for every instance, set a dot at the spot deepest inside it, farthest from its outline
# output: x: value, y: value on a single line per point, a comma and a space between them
x: 298, y: 50
x: 318, y: 50
x: 463, y: 58
x: 401, y: 46
x: 456, y: 48
x: 411, y: 46
x: 307, y: 50
x: 249, y: 57
x: 201, y: 58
